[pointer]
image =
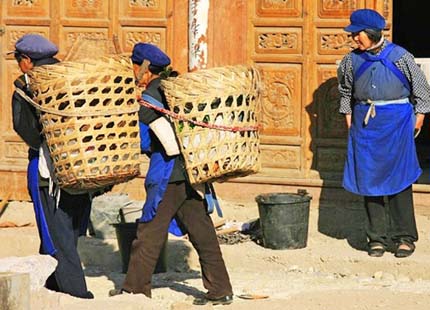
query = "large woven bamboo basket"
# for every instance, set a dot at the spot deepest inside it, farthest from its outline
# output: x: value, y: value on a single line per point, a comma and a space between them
x: 216, y: 121
x: 89, y: 118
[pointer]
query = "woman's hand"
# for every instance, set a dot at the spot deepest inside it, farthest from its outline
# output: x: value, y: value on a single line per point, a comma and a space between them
x: 419, y: 120
x: 348, y: 120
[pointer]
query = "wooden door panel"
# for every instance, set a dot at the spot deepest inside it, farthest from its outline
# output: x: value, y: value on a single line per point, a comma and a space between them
x: 84, y: 10
x: 131, y: 35
x: 337, y: 9
x: 333, y: 42
x: 284, y: 41
x: 276, y: 37
x: 284, y: 9
x: 280, y: 113
x: 280, y: 156
x: 31, y: 10
x: 140, y: 10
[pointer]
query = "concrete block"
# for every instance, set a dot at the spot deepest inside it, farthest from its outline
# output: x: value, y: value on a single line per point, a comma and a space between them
x: 39, y: 268
x: 14, y: 291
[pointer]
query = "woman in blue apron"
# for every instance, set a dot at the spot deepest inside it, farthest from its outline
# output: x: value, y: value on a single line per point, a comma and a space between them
x: 384, y: 96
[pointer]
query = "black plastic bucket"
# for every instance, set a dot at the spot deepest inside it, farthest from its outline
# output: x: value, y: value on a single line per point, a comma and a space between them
x: 125, y: 234
x: 284, y: 219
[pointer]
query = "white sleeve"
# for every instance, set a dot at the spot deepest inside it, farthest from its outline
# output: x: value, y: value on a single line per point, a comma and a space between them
x: 163, y: 129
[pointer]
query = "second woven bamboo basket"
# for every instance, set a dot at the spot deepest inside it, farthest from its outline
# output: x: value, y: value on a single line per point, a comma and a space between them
x: 215, y: 119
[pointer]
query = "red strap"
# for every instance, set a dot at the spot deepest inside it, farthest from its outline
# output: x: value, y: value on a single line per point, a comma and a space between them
x: 198, y: 123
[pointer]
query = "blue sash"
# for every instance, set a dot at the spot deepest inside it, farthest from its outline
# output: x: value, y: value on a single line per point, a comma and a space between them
x: 212, y: 200
x: 33, y: 185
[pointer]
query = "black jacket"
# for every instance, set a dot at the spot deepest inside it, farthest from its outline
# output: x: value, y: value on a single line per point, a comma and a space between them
x: 25, y: 118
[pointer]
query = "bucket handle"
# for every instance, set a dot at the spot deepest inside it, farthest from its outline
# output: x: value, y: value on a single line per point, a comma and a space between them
x: 303, y: 192
x: 121, y: 214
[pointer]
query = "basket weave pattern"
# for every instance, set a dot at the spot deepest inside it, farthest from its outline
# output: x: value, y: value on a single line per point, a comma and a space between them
x: 226, y: 100
x: 87, y: 47
x: 89, y: 118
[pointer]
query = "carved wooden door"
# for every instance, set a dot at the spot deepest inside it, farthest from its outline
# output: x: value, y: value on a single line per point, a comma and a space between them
x: 162, y: 22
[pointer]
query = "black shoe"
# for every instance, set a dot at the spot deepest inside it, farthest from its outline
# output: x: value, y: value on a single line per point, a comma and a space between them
x: 376, y: 249
x: 402, y: 253
x: 117, y: 291
x: 224, y: 300
x: 88, y: 295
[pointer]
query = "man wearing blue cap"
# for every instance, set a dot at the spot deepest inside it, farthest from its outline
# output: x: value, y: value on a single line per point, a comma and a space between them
x: 59, y: 222
x: 384, y: 96
x: 171, y: 203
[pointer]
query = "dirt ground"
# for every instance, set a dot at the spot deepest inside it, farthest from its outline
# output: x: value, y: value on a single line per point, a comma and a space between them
x: 332, y: 272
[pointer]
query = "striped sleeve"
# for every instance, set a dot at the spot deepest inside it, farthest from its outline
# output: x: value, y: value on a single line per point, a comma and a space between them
x: 420, y: 89
x: 345, y: 80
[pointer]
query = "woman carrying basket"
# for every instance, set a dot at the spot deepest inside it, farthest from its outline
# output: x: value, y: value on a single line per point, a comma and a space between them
x: 384, y: 96
x: 171, y: 204
x: 59, y: 222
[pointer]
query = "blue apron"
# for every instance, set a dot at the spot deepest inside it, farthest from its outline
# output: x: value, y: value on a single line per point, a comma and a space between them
x: 381, y: 157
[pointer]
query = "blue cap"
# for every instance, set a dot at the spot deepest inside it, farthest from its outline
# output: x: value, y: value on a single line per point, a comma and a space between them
x: 35, y: 46
x: 150, y: 52
x: 365, y: 19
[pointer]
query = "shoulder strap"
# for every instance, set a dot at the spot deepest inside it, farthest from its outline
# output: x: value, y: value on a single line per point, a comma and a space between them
x: 152, y: 101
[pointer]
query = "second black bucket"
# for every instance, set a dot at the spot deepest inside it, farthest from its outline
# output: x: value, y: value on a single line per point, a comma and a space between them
x: 284, y: 219
x: 125, y: 234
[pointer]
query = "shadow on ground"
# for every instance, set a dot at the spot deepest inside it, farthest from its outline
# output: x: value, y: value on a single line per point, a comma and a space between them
x: 101, y: 257
x: 343, y: 221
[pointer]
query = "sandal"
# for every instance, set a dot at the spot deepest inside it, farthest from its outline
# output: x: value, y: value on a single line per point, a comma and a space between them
x: 376, y: 249
x: 223, y: 300
x: 404, y: 249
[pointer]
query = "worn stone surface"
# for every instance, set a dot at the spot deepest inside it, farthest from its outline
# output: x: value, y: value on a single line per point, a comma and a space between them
x: 105, y: 211
x: 19, y: 241
x: 330, y: 273
x: 18, y: 212
x: 39, y: 267
x: 14, y: 291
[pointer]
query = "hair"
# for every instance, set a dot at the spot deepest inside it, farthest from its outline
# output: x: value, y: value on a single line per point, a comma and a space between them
x: 374, y: 34
x: 152, y: 68
x: 19, y: 56
x: 155, y: 69
x: 168, y: 72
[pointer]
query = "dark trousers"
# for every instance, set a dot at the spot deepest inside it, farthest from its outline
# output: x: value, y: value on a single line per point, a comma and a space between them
x: 146, y: 249
x: 64, y: 225
x: 395, y: 220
